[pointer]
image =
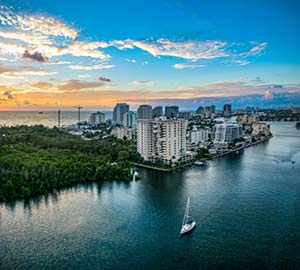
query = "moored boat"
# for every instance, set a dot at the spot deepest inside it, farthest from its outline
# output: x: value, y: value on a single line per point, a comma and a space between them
x: 198, y: 163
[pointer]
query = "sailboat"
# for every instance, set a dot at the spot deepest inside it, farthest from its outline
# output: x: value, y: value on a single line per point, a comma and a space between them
x: 188, y: 223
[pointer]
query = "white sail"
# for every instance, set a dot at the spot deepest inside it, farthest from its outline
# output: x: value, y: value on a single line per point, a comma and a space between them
x: 186, y: 213
x: 187, y: 224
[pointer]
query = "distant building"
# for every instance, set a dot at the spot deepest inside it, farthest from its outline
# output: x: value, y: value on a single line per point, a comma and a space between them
x: 261, y: 129
x: 129, y: 119
x: 208, y: 111
x: 162, y: 139
x: 171, y: 111
x: 239, y: 111
x: 296, y: 110
x: 119, y: 111
x: 250, y: 110
x: 144, y: 112
x: 124, y: 132
x: 200, y: 110
x: 96, y: 118
x: 198, y: 135
x: 213, y: 109
x: 227, y: 110
x: 157, y: 111
x: 227, y: 132
x: 246, y: 119
x: 184, y: 115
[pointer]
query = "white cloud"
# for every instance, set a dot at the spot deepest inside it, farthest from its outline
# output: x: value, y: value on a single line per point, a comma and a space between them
x: 257, y: 49
x: 187, y: 65
x: 4, y: 59
x: 190, y: 50
x: 42, y: 24
x: 35, y: 38
x: 90, y: 49
x: 51, y: 37
x: 131, y: 60
x: 58, y: 63
x: 92, y: 67
x: 240, y: 62
x: 148, y: 83
x: 10, y: 48
x: 84, y: 76
x: 181, y: 49
x: 44, y: 34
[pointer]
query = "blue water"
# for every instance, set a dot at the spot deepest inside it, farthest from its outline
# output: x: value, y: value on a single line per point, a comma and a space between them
x: 247, y: 208
x: 46, y: 118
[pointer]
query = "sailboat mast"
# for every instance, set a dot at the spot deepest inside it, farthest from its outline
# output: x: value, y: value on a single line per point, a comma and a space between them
x: 183, y: 221
x: 188, y: 207
x: 186, y: 212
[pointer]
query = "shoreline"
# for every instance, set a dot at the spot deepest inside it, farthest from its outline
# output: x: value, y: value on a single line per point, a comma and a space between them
x: 182, y: 167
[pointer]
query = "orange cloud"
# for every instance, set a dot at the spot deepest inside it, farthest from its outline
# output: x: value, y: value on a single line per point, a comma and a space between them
x: 75, y: 91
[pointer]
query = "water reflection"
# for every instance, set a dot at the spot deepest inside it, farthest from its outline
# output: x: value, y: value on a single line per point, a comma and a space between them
x: 55, y: 197
x: 245, y: 207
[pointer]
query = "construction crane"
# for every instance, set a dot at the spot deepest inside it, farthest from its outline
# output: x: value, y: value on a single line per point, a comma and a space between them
x: 78, y: 108
x: 58, y: 118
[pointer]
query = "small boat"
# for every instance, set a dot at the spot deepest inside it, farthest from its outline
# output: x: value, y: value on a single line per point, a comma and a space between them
x: 41, y: 112
x: 188, y: 224
x: 198, y: 163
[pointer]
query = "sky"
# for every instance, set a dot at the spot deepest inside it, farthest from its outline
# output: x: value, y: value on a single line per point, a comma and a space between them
x: 60, y: 54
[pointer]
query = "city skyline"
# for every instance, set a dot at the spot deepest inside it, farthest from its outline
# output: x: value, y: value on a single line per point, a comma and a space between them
x: 182, y: 53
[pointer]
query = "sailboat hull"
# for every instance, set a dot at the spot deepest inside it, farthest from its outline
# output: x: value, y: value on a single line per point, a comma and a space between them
x: 188, y: 227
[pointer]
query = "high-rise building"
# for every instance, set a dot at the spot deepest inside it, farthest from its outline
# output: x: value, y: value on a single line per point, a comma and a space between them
x: 207, y: 111
x: 157, y: 111
x: 227, y: 132
x: 124, y: 132
x: 227, y: 110
x: 97, y: 118
x: 184, y: 115
x: 129, y: 119
x: 119, y: 111
x: 144, y: 112
x: 200, y: 110
x: 171, y: 111
x: 162, y: 139
x: 198, y: 135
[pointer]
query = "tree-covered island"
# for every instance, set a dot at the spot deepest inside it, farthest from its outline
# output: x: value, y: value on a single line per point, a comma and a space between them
x: 35, y: 160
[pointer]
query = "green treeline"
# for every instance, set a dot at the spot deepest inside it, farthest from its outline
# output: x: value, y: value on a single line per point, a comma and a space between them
x: 35, y: 160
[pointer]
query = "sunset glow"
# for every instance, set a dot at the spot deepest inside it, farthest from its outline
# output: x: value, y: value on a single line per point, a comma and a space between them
x: 50, y: 58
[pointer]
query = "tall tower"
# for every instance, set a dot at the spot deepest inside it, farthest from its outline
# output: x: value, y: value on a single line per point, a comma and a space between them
x: 58, y: 118
x: 78, y: 112
x: 227, y: 110
x: 144, y: 112
x: 171, y: 111
x: 157, y: 111
x: 119, y: 111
